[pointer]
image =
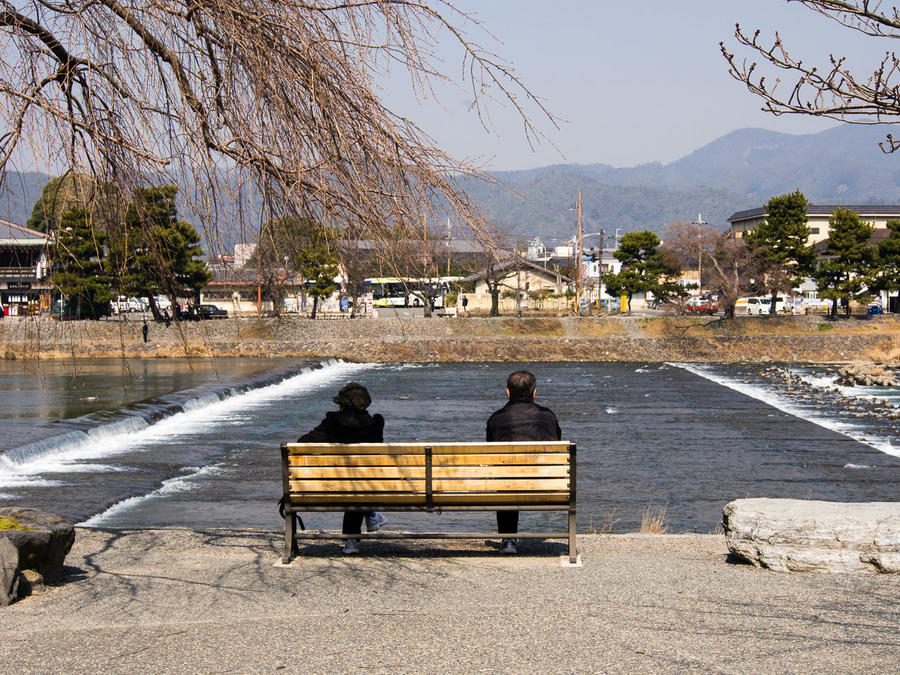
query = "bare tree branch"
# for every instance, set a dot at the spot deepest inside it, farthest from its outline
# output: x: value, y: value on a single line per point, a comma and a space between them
x: 832, y: 91
x: 221, y: 94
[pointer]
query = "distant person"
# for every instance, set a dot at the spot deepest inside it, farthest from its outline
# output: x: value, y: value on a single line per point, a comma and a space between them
x: 465, y: 305
x: 351, y: 423
x: 145, y: 329
x: 167, y: 318
x: 521, y: 419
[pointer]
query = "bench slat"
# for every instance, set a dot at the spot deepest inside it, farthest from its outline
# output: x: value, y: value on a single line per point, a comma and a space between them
x: 475, y: 484
x: 440, y: 472
x: 517, y: 447
x: 542, y: 458
x: 488, y: 499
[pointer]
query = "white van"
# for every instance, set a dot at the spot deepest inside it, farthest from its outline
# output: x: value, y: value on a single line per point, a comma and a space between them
x: 758, y: 305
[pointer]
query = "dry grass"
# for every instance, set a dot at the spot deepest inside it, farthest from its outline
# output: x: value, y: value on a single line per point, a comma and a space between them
x: 655, y: 519
x: 606, y: 527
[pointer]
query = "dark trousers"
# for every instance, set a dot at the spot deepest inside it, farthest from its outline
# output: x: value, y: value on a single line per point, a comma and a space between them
x: 507, y: 522
x: 353, y: 521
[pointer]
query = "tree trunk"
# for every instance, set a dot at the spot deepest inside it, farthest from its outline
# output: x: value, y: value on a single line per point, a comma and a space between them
x: 154, y: 309
x: 772, y: 307
x: 495, y: 302
x: 834, y: 308
x: 315, y: 306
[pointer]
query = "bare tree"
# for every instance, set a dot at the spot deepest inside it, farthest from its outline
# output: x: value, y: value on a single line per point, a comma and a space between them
x: 730, y: 263
x: 278, y: 96
x: 833, y: 90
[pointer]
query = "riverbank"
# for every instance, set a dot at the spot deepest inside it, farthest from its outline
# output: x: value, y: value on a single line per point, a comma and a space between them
x: 657, y: 339
x: 177, y: 600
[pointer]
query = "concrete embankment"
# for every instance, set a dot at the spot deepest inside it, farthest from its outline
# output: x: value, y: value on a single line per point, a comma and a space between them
x: 807, y: 339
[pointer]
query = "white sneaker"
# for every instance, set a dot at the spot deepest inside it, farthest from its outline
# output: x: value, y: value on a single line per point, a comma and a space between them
x: 351, y: 546
x: 375, y: 521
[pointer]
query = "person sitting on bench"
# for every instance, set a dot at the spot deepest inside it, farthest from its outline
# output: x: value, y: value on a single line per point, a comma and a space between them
x: 521, y: 419
x: 352, y: 423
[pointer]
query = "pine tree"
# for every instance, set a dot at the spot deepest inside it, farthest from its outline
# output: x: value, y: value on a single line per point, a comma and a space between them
x: 155, y: 253
x: 780, y: 245
x: 845, y: 269
x: 79, y: 266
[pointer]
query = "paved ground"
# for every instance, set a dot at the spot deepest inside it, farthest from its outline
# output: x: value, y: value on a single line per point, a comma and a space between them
x: 185, y: 601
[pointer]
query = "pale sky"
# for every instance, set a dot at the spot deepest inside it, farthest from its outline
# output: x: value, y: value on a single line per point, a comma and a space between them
x: 636, y: 82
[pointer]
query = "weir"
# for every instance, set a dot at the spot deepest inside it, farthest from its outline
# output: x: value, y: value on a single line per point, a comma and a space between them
x: 135, y: 417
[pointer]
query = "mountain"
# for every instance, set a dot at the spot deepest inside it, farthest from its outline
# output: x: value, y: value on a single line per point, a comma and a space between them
x: 743, y: 169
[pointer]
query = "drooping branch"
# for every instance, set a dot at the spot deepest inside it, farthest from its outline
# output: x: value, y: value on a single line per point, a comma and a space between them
x: 281, y: 95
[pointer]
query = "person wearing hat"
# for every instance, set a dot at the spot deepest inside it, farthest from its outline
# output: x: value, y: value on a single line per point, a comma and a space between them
x: 351, y: 423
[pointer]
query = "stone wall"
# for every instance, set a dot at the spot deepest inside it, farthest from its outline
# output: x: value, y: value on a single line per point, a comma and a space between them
x: 463, y: 339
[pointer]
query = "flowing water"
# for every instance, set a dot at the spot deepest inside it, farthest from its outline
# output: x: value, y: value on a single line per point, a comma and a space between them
x: 157, y: 443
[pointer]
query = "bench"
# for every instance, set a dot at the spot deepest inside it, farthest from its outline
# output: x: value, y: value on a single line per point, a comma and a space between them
x: 521, y: 476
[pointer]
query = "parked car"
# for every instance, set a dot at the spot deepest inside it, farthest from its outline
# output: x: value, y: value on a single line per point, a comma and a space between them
x: 700, y: 306
x: 212, y: 312
x: 874, y: 309
x: 759, y: 305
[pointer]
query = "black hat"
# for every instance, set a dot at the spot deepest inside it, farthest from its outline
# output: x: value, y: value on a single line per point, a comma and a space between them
x: 353, y: 396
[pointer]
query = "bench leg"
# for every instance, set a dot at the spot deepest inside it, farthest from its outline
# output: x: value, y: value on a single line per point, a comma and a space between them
x: 573, y: 554
x: 290, y: 536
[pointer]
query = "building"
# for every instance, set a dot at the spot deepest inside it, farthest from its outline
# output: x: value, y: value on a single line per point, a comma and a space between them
x: 25, y: 287
x: 817, y: 219
x: 523, y: 285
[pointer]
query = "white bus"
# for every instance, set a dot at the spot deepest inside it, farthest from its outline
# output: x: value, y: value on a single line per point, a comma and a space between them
x: 406, y: 291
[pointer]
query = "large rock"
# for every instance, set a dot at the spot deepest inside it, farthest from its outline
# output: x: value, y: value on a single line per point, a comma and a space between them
x: 793, y: 535
x: 9, y: 573
x: 45, y: 547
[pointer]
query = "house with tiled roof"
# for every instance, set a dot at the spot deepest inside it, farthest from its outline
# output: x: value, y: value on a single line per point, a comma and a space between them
x: 24, y: 270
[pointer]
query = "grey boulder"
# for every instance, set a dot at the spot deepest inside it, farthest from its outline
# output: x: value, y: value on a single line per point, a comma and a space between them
x: 45, y: 547
x: 9, y: 572
x: 794, y: 535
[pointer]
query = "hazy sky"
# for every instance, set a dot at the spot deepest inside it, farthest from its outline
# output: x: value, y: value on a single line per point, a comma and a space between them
x: 635, y: 82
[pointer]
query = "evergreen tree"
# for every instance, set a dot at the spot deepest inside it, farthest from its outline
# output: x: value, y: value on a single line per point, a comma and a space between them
x: 780, y: 244
x: 843, y: 273
x: 155, y: 253
x: 885, y: 274
x: 79, y: 269
x: 319, y: 265
x: 644, y: 268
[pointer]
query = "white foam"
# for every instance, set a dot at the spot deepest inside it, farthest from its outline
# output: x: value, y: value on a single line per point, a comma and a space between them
x: 772, y: 398
x: 612, y: 411
x: 183, y: 483
x: 859, y: 466
x: 131, y: 437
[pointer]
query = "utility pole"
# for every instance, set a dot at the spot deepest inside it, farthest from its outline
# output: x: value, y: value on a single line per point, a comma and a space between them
x: 578, y: 260
x: 699, y: 223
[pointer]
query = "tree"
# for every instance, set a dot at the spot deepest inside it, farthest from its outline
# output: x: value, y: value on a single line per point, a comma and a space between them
x: 780, y: 244
x: 843, y: 272
x: 283, y: 94
x: 833, y: 90
x: 79, y: 269
x: 319, y: 265
x: 729, y: 264
x: 885, y: 275
x: 156, y: 253
x: 69, y: 191
x: 644, y: 268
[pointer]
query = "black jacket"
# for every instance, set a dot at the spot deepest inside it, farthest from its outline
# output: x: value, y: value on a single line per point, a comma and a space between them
x: 345, y: 426
x: 523, y: 420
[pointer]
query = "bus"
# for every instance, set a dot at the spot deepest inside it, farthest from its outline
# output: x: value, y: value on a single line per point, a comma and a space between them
x: 406, y: 291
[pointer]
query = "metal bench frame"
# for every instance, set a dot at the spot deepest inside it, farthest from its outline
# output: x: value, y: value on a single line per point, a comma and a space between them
x: 427, y: 504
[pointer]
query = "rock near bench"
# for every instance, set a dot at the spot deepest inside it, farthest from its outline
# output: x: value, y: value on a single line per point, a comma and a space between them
x: 793, y: 535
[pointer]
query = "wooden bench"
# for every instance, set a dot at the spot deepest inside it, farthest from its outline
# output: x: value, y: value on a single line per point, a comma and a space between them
x: 522, y: 476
